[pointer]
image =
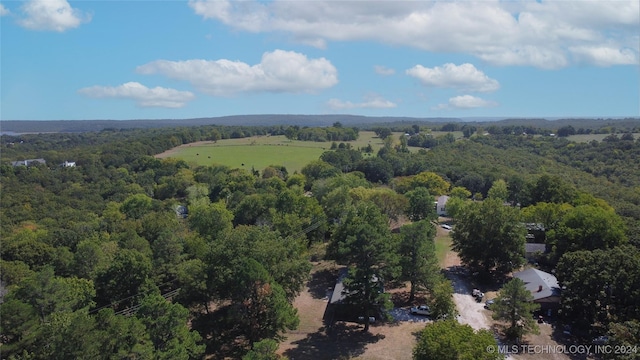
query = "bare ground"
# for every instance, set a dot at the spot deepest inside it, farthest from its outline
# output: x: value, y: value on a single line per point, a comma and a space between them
x: 312, y: 339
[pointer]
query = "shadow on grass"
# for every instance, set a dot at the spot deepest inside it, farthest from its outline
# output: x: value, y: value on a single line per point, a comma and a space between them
x: 322, y: 282
x: 342, y: 341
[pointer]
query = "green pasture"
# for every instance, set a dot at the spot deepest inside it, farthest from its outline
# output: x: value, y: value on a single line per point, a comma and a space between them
x: 261, y: 151
x: 443, y: 246
x: 598, y: 137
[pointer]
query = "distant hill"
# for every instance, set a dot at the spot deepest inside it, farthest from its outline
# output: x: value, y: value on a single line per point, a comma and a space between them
x: 24, y: 126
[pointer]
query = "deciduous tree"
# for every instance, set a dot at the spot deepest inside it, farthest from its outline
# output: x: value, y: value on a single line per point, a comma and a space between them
x: 418, y: 256
x: 450, y: 340
x: 489, y: 237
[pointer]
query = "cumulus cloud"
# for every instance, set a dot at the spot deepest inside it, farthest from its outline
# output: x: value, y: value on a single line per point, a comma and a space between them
x: 142, y: 95
x: 278, y: 71
x: 383, y: 70
x: 464, y: 77
x: 371, y: 102
x: 4, y: 11
x: 604, y: 56
x: 466, y: 102
x: 528, y: 32
x: 53, y: 15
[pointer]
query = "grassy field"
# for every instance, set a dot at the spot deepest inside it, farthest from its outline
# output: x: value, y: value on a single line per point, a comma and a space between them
x: 261, y: 151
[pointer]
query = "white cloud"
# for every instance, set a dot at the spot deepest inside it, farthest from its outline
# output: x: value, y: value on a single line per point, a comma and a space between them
x: 383, y: 70
x: 466, y: 102
x: 464, y: 77
x: 371, y: 102
x: 55, y: 15
x: 278, y: 71
x: 604, y: 56
x: 4, y: 11
x: 142, y: 95
x: 527, y: 32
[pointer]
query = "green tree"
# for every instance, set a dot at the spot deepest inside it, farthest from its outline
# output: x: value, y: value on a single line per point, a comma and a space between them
x: 364, y: 243
x: 515, y: 305
x: 166, y: 324
x: 261, y: 305
x: 121, y: 337
x: 418, y: 256
x: 460, y: 192
x: 449, y: 340
x: 382, y: 132
x: 442, y: 304
x: 210, y: 220
x: 499, y: 190
x: 608, y: 277
x: 135, y: 206
x: 421, y: 205
x: 264, y: 350
x: 489, y: 237
x: 124, y: 280
x: 553, y: 189
x: 624, y: 335
x: 587, y: 227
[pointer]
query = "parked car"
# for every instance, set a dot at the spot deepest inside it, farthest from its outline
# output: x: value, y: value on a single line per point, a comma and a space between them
x: 478, y: 295
x: 488, y: 303
x: 601, y: 340
x: 446, y: 227
x: 421, y: 310
x: 372, y: 319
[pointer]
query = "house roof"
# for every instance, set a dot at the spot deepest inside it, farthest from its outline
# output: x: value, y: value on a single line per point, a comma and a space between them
x: 338, y: 295
x: 533, y: 248
x: 542, y: 285
x: 28, y: 162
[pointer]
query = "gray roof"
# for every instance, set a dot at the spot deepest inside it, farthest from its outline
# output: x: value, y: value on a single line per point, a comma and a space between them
x: 338, y: 295
x: 28, y: 162
x: 533, y: 248
x: 542, y: 285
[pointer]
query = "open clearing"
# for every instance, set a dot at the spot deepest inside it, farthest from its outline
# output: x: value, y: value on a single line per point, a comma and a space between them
x: 261, y: 151
x: 347, y: 341
x: 258, y: 152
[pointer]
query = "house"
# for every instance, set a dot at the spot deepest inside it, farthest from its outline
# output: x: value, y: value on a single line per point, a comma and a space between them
x: 441, y: 205
x: 532, y: 251
x: 181, y: 211
x: 542, y: 285
x: 337, y: 308
x: 69, y: 164
x: 28, y: 162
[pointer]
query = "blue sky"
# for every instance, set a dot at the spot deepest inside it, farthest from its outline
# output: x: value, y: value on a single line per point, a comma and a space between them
x: 186, y: 59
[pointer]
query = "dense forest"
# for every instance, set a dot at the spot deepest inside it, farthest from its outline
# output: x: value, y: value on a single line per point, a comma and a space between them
x: 128, y: 256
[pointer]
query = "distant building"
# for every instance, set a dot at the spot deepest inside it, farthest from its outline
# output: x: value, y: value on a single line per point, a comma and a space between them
x: 69, y: 164
x: 28, y: 162
x: 533, y: 251
x: 441, y: 205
